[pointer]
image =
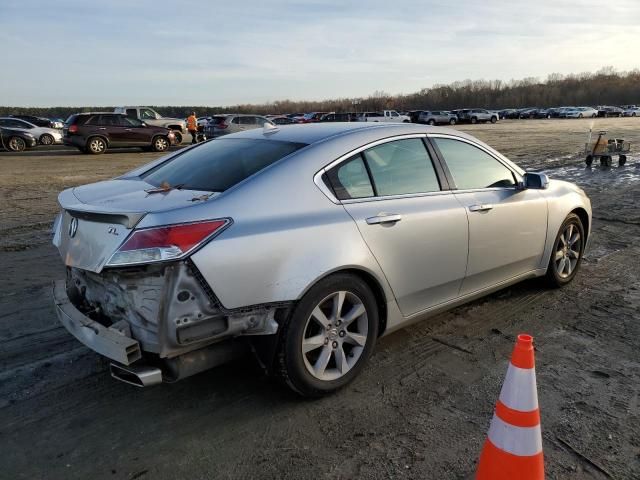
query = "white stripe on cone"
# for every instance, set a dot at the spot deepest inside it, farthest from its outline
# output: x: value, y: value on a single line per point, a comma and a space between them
x: 519, y: 389
x: 522, y: 441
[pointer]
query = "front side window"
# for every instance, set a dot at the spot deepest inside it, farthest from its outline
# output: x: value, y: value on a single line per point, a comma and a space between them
x: 350, y: 179
x: 146, y: 114
x: 472, y: 167
x: 401, y: 167
x: 218, y: 165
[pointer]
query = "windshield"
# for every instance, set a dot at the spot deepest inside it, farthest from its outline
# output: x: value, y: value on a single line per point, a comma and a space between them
x: 219, y: 164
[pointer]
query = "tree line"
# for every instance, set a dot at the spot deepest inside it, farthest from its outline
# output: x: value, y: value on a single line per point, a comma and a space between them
x: 607, y: 86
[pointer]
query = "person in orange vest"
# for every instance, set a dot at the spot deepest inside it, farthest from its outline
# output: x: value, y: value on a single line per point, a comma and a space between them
x: 192, y: 126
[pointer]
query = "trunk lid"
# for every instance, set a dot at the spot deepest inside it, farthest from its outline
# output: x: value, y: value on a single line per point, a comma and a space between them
x: 97, y: 218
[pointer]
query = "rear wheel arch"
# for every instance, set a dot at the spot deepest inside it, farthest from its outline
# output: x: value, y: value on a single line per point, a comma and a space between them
x: 372, y: 282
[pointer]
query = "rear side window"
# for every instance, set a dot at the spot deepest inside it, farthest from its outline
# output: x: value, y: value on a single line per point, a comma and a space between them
x: 218, y: 165
x: 471, y: 167
x: 351, y: 179
x: 401, y: 167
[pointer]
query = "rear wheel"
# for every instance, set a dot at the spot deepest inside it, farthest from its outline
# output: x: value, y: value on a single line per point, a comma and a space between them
x: 46, y: 139
x: 589, y: 160
x: 431, y: 122
x: 329, y: 336
x: 494, y: 119
x: 474, y: 120
x: 160, y: 144
x: 96, y: 145
x: 622, y: 159
x: 567, y: 252
x: 16, y: 144
x: 452, y: 121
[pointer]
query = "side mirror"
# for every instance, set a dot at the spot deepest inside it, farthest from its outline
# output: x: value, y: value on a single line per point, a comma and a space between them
x: 143, y: 124
x: 536, y: 181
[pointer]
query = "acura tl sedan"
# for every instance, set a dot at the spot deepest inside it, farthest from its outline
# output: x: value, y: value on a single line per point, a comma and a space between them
x: 302, y: 244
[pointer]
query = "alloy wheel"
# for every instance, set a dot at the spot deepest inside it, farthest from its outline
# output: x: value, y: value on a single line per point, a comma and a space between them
x: 161, y: 144
x: 335, y: 335
x: 17, y: 144
x: 46, y: 139
x: 568, y: 250
x: 97, y: 145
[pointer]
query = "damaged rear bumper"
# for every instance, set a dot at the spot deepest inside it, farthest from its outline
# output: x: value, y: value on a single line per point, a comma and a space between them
x: 105, y: 341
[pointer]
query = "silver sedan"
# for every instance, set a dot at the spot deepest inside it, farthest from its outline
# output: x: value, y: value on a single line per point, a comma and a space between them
x: 45, y: 135
x: 302, y: 244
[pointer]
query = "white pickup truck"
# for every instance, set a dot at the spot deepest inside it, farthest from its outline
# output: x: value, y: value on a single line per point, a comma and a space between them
x: 151, y: 117
x: 384, y: 116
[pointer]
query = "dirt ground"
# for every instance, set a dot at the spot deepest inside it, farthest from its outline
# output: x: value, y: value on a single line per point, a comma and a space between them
x: 421, y: 409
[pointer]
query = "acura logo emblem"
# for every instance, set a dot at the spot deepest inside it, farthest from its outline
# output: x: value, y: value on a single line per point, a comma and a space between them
x: 73, y: 227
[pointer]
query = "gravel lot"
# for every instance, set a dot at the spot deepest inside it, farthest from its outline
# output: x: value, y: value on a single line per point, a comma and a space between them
x: 422, y: 407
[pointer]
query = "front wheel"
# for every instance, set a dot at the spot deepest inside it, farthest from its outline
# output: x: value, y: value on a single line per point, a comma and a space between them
x: 474, y: 120
x: 160, y: 144
x: 452, y: 121
x: 431, y: 122
x: 494, y: 119
x: 16, y: 144
x: 329, y: 336
x: 567, y: 252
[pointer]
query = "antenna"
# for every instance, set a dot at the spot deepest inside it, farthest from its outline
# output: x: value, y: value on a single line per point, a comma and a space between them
x: 268, y: 128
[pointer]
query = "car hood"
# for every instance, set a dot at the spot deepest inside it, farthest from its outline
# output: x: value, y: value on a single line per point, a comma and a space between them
x: 97, y: 218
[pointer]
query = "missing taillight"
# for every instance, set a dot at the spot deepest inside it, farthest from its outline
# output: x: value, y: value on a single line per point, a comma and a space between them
x: 168, y: 242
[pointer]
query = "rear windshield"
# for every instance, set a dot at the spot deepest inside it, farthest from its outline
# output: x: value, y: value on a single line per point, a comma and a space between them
x: 219, y: 164
x: 217, y: 120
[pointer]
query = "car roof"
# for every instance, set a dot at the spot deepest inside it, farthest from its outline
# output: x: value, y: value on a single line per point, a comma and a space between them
x: 311, y: 133
x: 99, y: 113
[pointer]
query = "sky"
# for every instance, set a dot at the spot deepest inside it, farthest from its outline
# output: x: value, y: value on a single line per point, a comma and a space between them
x: 224, y: 53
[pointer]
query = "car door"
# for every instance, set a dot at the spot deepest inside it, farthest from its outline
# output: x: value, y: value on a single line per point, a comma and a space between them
x: 132, y: 132
x: 412, y: 223
x: 507, y: 224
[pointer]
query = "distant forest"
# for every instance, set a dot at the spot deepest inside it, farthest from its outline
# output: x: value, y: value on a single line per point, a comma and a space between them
x: 604, y: 87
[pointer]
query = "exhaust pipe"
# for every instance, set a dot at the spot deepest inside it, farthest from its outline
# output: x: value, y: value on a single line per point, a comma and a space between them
x: 139, y: 376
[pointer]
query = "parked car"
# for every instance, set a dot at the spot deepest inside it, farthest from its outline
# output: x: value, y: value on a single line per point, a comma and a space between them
x: 233, y: 123
x: 506, y: 113
x: 609, y: 111
x: 15, y: 140
x: 271, y: 244
x: 98, y: 131
x: 39, y: 121
x: 475, y: 115
x: 384, y: 116
x: 413, y: 115
x: 579, y: 112
x: 631, y: 112
x: 339, y: 117
x: 151, y: 117
x: 282, y: 120
x: 311, y: 117
x: 558, y: 112
x: 45, y: 135
x: 437, y: 117
x: 527, y: 113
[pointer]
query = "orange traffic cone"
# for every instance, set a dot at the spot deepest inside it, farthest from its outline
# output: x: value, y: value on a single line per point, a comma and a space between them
x: 513, y: 449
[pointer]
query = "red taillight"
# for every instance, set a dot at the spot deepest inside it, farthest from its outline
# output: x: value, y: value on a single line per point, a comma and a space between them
x: 73, y: 129
x: 164, y: 243
x: 222, y: 125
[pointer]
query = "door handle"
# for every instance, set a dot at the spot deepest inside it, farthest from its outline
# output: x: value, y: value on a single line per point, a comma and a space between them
x: 127, y: 129
x: 102, y: 128
x: 384, y: 218
x: 485, y: 207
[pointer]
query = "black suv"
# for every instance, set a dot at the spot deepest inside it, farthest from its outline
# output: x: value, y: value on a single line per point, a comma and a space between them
x: 95, y: 132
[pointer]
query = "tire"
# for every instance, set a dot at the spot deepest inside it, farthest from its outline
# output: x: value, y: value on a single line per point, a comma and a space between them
x: 46, y: 139
x: 605, y: 161
x: 494, y: 119
x: 178, y: 137
x: 96, y: 145
x: 317, y: 371
x: 16, y: 144
x: 474, y: 120
x: 622, y: 159
x: 160, y: 144
x: 452, y: 121
x: 580, y: 115
x: 559, y: 273
x: 589, y: 160
x: 431, y: 122
x: 548, y: 116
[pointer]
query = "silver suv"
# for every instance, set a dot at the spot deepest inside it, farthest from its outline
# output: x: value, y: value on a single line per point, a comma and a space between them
x: 428, y: 117
x: 232, y: 123
x: 475, y: 115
